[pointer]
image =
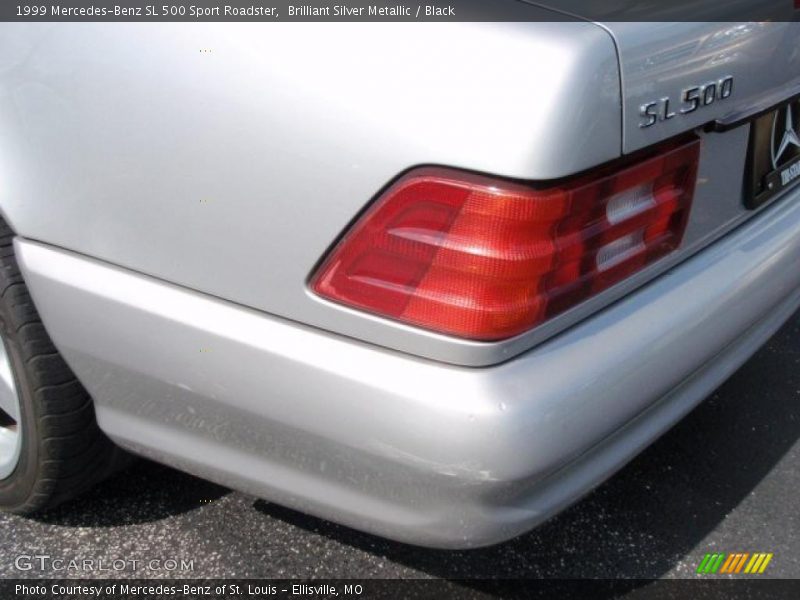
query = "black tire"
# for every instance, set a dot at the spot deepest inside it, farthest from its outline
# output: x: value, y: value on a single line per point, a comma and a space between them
x: 63, y: 452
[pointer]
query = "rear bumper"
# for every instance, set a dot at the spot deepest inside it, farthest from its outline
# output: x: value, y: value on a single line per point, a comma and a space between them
x: 415, y: 450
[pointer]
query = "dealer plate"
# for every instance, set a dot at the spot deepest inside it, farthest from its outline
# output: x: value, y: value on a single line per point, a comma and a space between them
x: 774, y: 154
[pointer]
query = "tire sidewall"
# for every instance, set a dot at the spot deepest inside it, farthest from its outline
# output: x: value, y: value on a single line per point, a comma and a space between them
x: 16, y: 489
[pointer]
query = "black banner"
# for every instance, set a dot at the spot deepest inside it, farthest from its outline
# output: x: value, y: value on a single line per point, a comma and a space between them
x: 376, y: 10
x: 368, y: 589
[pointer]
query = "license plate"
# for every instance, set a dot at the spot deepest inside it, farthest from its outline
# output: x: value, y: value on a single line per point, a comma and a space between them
x: 774, y: 154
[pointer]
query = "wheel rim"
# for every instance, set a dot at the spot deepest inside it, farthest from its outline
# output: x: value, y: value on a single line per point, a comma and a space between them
x: 10, y: 430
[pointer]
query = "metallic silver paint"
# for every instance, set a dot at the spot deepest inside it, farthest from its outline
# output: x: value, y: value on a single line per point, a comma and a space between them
x: 149, y: 181
x: 408, y: 448
x: 224, y: 207
x: 233, y: 172
x: 662, y: 59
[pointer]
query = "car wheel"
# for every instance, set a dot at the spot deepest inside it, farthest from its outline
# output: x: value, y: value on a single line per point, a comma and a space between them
x: 50, y: 445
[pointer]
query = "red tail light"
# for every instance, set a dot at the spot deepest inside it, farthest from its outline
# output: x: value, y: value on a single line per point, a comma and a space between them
x: 486, y: 259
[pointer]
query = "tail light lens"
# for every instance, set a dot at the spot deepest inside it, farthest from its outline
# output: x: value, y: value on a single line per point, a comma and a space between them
x: 486, y: 259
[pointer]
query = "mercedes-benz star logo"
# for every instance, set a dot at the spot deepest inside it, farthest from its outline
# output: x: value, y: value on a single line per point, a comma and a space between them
x: 790, y: 136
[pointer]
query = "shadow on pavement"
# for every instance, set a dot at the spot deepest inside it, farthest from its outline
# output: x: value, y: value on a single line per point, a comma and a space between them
x: 142, y: 493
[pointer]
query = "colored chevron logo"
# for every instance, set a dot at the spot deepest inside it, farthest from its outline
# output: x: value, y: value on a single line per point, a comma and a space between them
x: 736, y: 563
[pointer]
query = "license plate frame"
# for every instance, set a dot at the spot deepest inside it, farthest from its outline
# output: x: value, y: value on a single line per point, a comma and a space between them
x: 766, y: 179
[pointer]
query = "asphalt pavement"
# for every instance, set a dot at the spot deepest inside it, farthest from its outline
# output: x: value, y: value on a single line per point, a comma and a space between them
x: 725, y: 479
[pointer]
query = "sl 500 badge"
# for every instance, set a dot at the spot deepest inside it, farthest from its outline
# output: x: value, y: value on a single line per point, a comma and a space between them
x: 692, y: 99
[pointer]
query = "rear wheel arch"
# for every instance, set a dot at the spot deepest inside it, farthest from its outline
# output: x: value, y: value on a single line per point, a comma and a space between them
x: 62, y: 451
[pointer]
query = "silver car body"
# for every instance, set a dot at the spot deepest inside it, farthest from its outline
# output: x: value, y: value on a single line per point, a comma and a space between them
x: 170, y: 206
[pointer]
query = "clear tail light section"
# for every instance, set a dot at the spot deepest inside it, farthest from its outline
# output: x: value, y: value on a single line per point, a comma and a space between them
x: 487, y: 259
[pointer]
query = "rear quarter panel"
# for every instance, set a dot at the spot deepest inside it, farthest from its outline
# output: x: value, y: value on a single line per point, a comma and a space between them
x: 228, y: 157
